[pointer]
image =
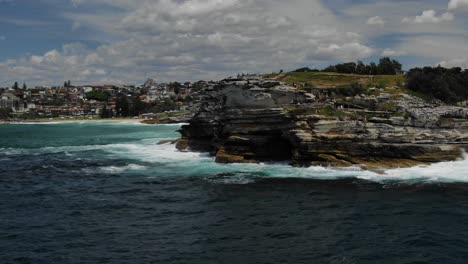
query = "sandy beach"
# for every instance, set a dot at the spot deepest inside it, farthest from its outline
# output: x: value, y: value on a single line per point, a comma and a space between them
x: 58, y: 120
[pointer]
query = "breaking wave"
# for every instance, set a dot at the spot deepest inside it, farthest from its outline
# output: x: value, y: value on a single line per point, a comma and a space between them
x: 145, y: 156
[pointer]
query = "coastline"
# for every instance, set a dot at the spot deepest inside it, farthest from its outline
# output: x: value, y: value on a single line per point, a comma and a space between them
x: 241, y: 121
x: 39, y: 121
x: 393, y: 168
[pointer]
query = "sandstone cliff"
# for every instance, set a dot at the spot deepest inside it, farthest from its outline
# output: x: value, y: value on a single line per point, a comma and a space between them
x: 247, y: 120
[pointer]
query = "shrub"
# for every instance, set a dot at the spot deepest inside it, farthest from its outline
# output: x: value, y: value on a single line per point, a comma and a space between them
x: 448, y: 85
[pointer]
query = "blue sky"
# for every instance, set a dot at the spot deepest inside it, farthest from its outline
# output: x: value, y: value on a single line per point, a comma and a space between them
x: 35, y: 27
x: 45, y: 42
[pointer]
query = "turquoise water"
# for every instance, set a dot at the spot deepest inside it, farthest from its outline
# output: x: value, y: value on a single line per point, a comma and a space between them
x: 108, y: 193
x: 133, y: 148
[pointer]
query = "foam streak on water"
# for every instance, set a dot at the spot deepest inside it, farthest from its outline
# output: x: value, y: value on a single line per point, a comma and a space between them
x: 142, y: 153
x: 108, y: 193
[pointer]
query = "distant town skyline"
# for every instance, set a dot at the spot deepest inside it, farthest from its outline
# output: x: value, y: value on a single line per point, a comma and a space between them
x: 45, y: 42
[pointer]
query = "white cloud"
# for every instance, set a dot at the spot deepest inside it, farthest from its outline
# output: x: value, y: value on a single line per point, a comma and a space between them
x: 445, y: 50
x: 210, y: 39
x: 377, y: 20
x: 462, y: 63
x: 393, y: 12
x: 429, y: 16
x: 198, y: 39
x: 389, y: 52
x: 348, y: 51
x: 458, y: 5
x: 392, y: 52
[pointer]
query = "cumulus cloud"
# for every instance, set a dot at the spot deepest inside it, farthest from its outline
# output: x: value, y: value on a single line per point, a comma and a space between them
x: 458, y: 5
x: 445, y: 50
x: 377, y: 20
x: 392, y: 52
x: 429, y: 16
x: 198, y: 39
x: 462, y: 63
x: 346, y: 51
x: 210, y: 39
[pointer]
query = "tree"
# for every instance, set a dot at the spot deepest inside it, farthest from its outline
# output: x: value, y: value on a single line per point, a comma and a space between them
x: 98, y: 95
x: 138, y: 106
x: 175, y: 86
x: 5, y: 113
x: 69, y: 84
x: 349, y: 67
x: 166, y: 105
x: 198, y: 86
x: 122, y: 106
x: 361, y: 68
x: 448, y: 85
x: 397, y: 66
x: 105, y: 113
x: 373, y: 69
x: 306, y: 69
x: 25, y: 86
x: 386, y: 66
x: 330, y: 68
x: 15, y: 86
x: 65, y: 85
x: 188, y: 99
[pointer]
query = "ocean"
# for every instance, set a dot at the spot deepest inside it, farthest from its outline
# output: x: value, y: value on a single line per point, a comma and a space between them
x: 108, y: 193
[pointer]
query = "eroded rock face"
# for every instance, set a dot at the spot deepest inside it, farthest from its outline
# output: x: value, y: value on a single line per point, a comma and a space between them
x: 255, y: 120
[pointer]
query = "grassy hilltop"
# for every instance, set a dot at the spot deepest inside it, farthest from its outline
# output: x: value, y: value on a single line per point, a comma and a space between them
x: 333, y: 80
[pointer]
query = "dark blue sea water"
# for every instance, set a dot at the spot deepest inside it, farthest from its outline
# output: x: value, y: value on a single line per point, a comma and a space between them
x: 108, y: 193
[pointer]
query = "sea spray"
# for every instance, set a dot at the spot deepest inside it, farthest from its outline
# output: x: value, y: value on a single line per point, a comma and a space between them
x: 133, y: 149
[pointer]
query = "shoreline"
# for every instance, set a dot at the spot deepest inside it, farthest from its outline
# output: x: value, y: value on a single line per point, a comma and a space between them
x: 110, y: 120
x: 40, y: 121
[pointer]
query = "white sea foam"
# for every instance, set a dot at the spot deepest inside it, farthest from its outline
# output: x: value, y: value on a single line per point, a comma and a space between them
x: 96, y: 122
x: 175, y: 124
x: 11, y: 151
x: 232, y: 180
x: 35, y: 123
x: 166, y: 160
x: 151, y: 152
x: 454, y: 171
x: 48, y: 150
x: 117, y: 169
x: 173, y: 162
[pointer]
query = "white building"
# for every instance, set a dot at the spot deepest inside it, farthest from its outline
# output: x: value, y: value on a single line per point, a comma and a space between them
x: 11, y: 101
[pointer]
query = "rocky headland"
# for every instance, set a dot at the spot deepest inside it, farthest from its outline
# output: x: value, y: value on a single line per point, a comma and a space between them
x: 251, y: 119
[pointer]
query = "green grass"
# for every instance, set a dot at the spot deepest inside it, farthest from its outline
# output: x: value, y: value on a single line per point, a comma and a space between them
x: 302, y: 111
x: 383, y: 81
x: 332, y: 80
